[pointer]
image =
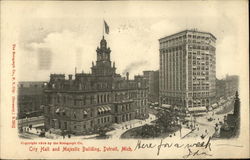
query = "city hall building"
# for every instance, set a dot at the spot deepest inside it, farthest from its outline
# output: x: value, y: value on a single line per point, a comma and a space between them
x: 94, y: 100
x: 187, y: 71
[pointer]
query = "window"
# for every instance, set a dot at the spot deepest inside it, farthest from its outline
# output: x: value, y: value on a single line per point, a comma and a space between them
x: 104, y: 97
x: 65, y: 125
x: 59, y: 124
x: 64, y: 99
x: 64, y: 113
x: 58, y: 99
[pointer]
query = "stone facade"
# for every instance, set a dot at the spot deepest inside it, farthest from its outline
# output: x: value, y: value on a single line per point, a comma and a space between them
x: 92, y: 101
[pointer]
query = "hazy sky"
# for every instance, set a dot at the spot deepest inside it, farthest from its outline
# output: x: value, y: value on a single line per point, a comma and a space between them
x: 57, y: 37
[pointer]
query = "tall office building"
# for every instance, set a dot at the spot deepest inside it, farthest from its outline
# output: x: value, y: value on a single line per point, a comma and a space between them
x: 187, y: 71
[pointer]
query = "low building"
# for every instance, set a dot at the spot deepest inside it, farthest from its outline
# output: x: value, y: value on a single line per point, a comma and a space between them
x: 93, y: 101
x: 30, y: 99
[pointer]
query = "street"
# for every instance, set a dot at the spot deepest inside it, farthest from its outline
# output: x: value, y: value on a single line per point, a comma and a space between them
x: 204, y: 127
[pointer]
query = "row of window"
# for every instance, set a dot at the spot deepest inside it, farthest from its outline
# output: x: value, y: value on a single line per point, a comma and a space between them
x: 103, y: 120
x: 184, y: 37
x: 104, y: 98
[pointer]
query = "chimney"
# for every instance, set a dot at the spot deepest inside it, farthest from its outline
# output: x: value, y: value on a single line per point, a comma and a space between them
x: 70, y: 76
x: 127, y: 75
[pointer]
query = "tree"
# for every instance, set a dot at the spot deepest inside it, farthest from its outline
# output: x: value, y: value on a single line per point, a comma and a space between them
x: 166, y: 120
x: 148, y: 131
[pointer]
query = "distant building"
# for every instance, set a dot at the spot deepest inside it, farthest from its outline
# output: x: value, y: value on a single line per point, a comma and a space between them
x: 220, y: 89
x: 30, y: 98
x: 187, y: 70
x: 231, y: 126
x: 227, y: 87
x: 90, y: 102
x: 152, y: 78
x: 232, y: 85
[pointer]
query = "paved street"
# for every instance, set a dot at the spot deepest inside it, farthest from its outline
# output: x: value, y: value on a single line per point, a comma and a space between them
x: 204, y: 127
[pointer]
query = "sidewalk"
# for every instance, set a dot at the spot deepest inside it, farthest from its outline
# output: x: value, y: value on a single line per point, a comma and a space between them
x: 123, y: 127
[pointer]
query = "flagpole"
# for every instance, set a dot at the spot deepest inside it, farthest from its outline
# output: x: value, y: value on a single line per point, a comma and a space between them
x: 103, y: 27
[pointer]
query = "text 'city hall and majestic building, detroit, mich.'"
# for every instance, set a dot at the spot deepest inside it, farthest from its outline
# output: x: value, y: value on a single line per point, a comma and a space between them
x: 187, y: 71
x: 92, y: 101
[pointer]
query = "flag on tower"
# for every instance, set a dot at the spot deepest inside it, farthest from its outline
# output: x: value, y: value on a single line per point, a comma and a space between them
x: 106, y: 27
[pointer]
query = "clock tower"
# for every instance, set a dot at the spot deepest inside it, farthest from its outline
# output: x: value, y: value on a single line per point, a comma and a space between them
x: 103, y: 63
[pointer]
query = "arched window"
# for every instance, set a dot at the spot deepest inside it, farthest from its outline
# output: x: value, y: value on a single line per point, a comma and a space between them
x: 101, y: 99
x: 108, y: 98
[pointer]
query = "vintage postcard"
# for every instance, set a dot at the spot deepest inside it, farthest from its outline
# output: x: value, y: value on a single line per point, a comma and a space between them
x: 124, y: 80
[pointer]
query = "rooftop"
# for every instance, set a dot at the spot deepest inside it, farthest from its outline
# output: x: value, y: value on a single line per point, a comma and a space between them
x: 188, y: 30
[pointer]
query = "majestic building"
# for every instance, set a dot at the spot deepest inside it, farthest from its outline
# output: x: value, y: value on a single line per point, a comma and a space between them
x: 152, y: 78
x: 92, y: 101
x: 30, y: 98
x: 187, y: 70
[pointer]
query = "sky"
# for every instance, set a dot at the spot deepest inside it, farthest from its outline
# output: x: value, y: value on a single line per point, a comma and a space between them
x: 57, y: 37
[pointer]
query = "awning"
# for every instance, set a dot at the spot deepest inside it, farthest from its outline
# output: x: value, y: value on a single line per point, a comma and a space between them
x: 38, y: 125
x: 166, y: 105
x: 106, y: 108
x: 101, y: 109
x: 191, y: 109
x: 109, y: 108
x: 57, y: 110
x: 85, y: 112
x: 214, y: 105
